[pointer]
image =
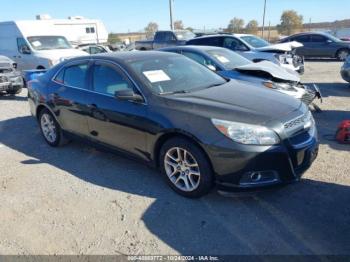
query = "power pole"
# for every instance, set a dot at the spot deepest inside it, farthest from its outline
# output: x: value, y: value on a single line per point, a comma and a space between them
x: 310, y: 24
x: 171, y: 14
x: 263, y: 27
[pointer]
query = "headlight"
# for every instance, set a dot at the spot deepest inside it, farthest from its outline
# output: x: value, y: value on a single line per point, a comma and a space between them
x: 280, y: 86
x: 16, y: 80
x: 246, y: 134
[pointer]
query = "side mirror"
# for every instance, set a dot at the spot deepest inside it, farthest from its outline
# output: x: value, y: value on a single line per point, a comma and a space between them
x: 329, y: 41
x: 128, y: 95
x: 212, y: 68
x: 25, y: 50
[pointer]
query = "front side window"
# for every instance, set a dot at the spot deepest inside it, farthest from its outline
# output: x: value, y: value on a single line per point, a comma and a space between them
x: 255, y: 42
x: 48, y: 42
x: 75, y: 76
x: 22, y: 46
x: 184, y: 35
x: 171, y: 74
x: 198, y: 58
x: 319, y: 39
x: 108, y: 80
x: 234, y: 44
x: 228, y: 59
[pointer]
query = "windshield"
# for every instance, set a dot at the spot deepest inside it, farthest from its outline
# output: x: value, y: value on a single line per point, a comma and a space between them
x: 333, y: 38
x: 255, y: 42
x: 229, y: 59
x: 184, y: 35
x: 48, y: 42
x: 171, y: 74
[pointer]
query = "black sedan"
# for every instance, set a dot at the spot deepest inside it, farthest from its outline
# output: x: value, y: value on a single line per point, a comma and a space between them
x: 195, y: 126
x: 319, y: 44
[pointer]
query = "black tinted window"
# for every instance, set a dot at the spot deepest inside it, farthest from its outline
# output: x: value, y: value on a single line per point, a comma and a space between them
x: 234, y: 44
x: 319, y: 38
x: 75, y: 76
x: 108, y: 80
x: 210, y: 41
x: 302, y: 38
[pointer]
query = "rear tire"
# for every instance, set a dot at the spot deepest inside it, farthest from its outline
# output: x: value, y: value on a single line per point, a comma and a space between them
x: 50, y: 129
x: 342, y: 54
x: 186, y: 168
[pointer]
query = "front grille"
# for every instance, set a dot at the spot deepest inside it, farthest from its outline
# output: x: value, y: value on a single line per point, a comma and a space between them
x: 308, y: 98
x: 5, y: 65
x: 298, y: 124
x: 297, y: 61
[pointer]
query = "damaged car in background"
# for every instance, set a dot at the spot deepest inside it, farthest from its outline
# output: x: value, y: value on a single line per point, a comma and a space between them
x: 266, y: 74
x: 256, y: 49
x: 11, y: 80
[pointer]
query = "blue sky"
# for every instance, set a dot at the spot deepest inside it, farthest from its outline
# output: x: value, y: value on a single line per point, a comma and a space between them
x: 134, y: 15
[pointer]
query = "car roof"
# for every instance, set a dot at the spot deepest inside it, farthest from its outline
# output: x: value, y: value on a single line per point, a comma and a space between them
x: 122, y: 57
x: 309, y: 33
x: 201, y: 48
x: 210, y: 36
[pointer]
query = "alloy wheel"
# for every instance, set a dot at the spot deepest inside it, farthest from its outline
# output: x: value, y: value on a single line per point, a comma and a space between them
x: 182, y: 169
x: 343, y: 55
x: 48, y: 127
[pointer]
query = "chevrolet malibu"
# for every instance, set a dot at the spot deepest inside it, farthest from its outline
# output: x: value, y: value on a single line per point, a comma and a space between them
x: 197, y: 128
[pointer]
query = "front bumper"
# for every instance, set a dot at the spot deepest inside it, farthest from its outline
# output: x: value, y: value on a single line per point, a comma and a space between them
x: 254, y: 167
x: 9, y: 87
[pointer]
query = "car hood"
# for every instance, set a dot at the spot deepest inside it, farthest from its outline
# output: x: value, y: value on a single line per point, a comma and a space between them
x: 236, y: 101
x: 285, y: 47
x: 271, y: 69
x: 59, y: 54
x: 5, y: 62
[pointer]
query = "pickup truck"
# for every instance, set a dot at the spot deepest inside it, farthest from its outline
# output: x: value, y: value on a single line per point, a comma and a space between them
x: 165, y: 39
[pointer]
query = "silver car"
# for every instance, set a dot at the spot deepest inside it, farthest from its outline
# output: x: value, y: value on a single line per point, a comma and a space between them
x: 11, y: 80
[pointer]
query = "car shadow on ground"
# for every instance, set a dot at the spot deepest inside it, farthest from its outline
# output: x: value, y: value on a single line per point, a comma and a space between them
x: 310, y: 217
x: 12, y: 97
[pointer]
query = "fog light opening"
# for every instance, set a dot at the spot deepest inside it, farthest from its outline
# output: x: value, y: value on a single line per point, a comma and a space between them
x: 255, y: 177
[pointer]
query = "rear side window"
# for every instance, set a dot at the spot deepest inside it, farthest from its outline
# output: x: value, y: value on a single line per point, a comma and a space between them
x: 74, y: 76
x: 319, y: 39
x: 108, y: 79
x: 210, y: 41
x: 302, y: 39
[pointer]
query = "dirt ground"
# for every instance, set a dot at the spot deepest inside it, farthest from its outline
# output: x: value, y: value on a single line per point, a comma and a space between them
x: 78, y: 200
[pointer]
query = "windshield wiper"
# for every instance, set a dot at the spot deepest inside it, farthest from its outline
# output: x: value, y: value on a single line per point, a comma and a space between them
x: 175, y: 92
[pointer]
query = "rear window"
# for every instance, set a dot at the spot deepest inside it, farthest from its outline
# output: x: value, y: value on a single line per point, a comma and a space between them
x: 73, y: 76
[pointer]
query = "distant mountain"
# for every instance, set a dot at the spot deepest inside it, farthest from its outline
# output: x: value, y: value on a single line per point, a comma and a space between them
x: 336, y: 24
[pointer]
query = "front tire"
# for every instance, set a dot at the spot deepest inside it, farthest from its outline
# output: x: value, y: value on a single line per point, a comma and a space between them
x: 50, y: 129
x: 342, y: 54
x: 186, y: 168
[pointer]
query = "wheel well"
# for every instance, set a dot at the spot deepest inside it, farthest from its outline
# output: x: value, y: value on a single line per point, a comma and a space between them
x: 40, y: 67
x: 38, y: 110
x: 341, y: 49
x: 164, y: 138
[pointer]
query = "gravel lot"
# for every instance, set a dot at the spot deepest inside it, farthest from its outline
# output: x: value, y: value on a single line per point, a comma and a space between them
x: 78, y: 200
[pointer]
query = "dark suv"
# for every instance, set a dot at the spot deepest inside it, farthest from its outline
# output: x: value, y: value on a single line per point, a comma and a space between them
x: 320, y: 45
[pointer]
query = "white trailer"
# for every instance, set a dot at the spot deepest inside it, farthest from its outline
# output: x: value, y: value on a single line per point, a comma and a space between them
x: 77, y: 29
